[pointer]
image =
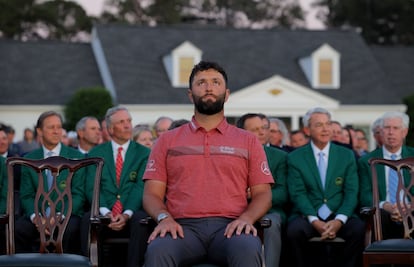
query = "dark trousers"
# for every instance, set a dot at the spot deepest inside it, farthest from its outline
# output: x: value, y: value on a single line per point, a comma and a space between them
x: 390, y: 229
x: 137, y: 233
x: 2, y: 239
x: 140, y: 233
x: 204, y: 240
x: 26, y: 234
x: 299, y: 231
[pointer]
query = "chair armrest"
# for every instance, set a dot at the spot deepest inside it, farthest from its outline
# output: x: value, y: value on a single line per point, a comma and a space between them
x: 100, y: 219
x: 263, y: 223
x: 367, y: 214
x: 4, y: 218
x: 333, y: 240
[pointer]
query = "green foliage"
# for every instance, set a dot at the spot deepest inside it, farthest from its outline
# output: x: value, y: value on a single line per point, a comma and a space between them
x: 409, y: 101
x: 380, y: 21
x: 234, y: 13
x: 33, y: 20
x: 87, y: 102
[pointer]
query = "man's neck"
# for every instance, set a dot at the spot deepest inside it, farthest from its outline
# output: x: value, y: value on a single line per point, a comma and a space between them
x: 85, y: 146
x: 209, y: 122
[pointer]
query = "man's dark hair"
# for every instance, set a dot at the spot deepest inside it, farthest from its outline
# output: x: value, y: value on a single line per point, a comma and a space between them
x: 242, y: 120
x: 45, y: 115
x: 206, y: 65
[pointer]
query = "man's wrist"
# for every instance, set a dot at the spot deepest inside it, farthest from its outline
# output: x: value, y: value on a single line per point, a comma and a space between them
x: 162, y: 216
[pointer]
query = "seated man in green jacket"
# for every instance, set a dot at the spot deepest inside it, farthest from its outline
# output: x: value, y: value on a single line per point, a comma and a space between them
x: 49, y: 129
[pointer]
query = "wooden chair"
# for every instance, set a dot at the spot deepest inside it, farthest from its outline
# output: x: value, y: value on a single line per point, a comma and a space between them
x: 97, y: 222
x: 391, y: 251
x: 51, y: 252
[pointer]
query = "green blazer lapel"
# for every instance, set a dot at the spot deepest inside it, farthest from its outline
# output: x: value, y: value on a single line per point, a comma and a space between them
x: 405, y: 153
x: 39, y: 154
x: 108, y: 155
x: 312, y: 166
x: 128, y: 162
x: 334, y: 164
x: 382, y: 185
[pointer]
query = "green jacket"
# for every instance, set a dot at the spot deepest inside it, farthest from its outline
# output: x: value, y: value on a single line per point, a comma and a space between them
x: 305, y: 186
x: 3, y: 185
x: 29, y: 182
x: 131, y: 186
x: 364, y: 170
x: 276, y: 159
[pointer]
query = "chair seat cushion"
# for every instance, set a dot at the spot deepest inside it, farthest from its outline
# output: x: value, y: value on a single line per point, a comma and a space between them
x: 391, y: 245
x: 45, y: 260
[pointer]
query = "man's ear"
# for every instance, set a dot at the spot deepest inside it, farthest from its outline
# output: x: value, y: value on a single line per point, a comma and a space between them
x: 306, y: 130
x: 190, y: 95
x: 227, y: 95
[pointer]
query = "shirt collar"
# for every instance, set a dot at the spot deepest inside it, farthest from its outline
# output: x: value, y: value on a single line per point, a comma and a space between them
x: 55, y: 150
x: 316, y: 150
x: 124, y: 146
x: 387, y: 154
x: 221, y: 127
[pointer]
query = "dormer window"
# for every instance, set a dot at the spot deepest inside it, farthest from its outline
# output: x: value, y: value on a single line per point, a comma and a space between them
x: 186, y: 64
x: 180, y: 62
x: 325, y: 72
x: 322, y: 68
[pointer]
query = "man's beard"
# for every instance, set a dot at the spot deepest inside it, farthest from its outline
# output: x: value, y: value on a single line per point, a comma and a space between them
x: 209, y: 107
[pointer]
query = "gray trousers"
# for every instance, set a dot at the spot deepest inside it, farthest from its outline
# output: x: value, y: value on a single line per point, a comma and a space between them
x: 204, y: 241
x: 273, y: 240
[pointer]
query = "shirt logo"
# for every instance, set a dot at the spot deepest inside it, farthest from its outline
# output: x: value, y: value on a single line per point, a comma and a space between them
x: 150, y: 165
x: 227, y: 150
x: 265, y: 168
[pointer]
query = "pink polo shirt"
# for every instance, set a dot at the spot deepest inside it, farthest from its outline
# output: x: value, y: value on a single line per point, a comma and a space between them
x: 207, y: 173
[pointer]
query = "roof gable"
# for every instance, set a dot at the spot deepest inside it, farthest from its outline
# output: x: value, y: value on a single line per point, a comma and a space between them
x: 278, y: 92
x: 134, y: 55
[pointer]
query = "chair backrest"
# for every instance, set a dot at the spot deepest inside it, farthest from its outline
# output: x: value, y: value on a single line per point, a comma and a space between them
x: 405, y: 193
x: 52, y: 205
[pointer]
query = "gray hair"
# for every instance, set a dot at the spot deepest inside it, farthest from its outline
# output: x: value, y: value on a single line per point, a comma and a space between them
x: 137, y: 130
x: 161, y: 119
x: 376, y: 124
x: 396, y: 114
x: 282, y: 128
x: 111, y: 111
x: 80, y: 125
x: 309, y: 113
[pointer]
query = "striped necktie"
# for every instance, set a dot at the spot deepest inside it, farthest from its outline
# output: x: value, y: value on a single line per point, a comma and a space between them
x: 48, y: 173
x: 117, y: 207
x: 393, y: 182
x: 323, y: 210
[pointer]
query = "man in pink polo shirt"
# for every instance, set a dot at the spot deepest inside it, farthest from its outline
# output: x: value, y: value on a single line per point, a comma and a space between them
x: 196, y: 184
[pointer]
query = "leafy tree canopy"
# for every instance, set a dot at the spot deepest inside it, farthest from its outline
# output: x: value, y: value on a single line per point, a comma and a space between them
x: 34, y: 20
x: 235, y: 13
x: 87, y: 102
x: 409, y: 101
x: 380, y: 21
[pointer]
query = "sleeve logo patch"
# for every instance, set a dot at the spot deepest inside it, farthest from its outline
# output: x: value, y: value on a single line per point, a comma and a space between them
x: 265, y: 168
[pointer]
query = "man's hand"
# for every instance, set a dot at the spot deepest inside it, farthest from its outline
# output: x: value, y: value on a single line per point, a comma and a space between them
x: 240, y: 226
x: 393, y: 211
x: 331, y: 228
x: 43, y: 222
x: 167, y: 225
x: 319, y: 226
x: 118, y: 222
